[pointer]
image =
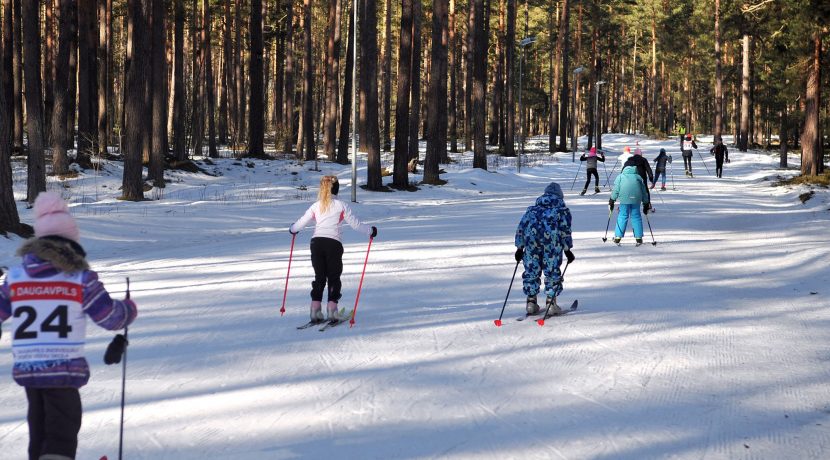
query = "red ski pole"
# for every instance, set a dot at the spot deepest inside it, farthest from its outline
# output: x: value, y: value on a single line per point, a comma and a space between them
x: 285, y: 292
x: 357, y: 297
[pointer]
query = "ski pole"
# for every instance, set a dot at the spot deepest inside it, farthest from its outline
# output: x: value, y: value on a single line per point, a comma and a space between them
x: 541, y: 321
x: 608, y: 179
x: 653, y: 242
x: 123, y: 383
x: 498, y: 321
x: 290, y: 255
x: 605, y: 238
x: 671, y: 170
x: 357, y: 297
x: 576, y: 175
x: 704, y: 163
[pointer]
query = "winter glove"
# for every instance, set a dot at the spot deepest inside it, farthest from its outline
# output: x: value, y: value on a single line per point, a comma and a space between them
x: 115, y: 350
x: 374, y: 232
x: 646, y: 207
x: 727, y: 160
x: 570, y: 256
x: 610, y: 204
x: 520, y: 252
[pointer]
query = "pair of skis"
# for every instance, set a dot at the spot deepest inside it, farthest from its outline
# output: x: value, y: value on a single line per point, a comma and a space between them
x: 327, y: 324
x: 541, y: 321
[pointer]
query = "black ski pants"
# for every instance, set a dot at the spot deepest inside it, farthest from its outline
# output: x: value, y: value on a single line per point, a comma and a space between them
x: 327, y: 260
x: 719, y: 165
x: 54, y: 421
x: 687, y: 161
x: 591, y: 172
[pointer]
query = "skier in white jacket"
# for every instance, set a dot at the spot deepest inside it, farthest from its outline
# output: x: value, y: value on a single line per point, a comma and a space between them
x: 329, y: 213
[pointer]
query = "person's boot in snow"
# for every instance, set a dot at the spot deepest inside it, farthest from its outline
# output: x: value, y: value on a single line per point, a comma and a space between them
x: 553, y: 308
x: 617, y: 240
x: 663, y: 188
x: 639, y: 241
x: 316, y: 311
x: 596, y: 189
x: 532, y: 307
x: 583, y: 191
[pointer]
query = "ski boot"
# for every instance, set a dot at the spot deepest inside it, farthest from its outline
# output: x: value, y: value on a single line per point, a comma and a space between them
x: 617, y: 240
x: 316, y: 311
x: 532, y: 307
x: 583, y: 191
x: 639, y: 241
x: 551, y: 306
x: 663, y: 188
x: 652, y: 187
x: 596, y: 189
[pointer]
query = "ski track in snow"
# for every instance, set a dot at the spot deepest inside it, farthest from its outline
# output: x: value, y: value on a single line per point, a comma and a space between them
x: 708, y: 345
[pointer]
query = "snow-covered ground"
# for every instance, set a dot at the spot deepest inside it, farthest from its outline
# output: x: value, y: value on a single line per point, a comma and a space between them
x: 712, y: 344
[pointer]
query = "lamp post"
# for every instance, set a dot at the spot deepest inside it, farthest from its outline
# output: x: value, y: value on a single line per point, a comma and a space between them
x: 596, y: 115
x: 577, y: 71
x: 522, y: 44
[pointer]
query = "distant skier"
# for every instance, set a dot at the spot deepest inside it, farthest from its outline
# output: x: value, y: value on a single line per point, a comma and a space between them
x: 660, y: 168
x: 543, y: 234
x: 720, y: 152
x: 48, y: 298
x: 591, y: 168
x: 686, y: 146
x: 630, y: 189
x: 326, y: 248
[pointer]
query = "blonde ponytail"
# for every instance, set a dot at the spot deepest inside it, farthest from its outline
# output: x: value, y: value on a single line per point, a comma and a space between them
x: 324, y: 195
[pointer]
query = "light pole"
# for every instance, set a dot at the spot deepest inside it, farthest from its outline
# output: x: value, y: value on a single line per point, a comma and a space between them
x: 596, y: 115
x: 577, y: 71
x: 522, y: 44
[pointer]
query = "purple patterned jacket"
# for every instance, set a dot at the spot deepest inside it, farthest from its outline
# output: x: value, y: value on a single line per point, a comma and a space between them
x: 43, y: 257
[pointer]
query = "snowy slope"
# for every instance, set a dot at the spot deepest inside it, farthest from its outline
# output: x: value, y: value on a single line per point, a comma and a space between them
x: 711, y: 344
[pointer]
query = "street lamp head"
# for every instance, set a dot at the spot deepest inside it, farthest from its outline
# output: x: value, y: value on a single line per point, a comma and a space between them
x: 601, y: 82
x: 579, y: 70
x: 527, y: 40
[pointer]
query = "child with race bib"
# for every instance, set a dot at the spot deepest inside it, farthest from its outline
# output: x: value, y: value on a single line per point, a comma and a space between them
x: 48, y: 298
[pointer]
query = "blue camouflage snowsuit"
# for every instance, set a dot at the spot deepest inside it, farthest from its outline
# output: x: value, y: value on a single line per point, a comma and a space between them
x: 545, y: 233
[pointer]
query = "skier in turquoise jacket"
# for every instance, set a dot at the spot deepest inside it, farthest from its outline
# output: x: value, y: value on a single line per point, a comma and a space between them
x: 630, y: 189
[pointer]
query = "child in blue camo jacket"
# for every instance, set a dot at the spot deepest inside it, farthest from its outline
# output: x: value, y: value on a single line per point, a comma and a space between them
x: 543, y: 234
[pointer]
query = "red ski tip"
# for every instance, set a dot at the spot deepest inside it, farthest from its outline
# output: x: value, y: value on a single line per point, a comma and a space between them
x: 103, y: 458
x: 497, y: 322
x: 541, y: 322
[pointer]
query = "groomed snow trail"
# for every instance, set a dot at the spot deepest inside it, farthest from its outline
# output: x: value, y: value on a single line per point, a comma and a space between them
x: 710, y: 344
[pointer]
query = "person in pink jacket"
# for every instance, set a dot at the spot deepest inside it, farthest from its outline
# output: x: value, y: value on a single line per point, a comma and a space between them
x: 48, y: 298
x: 329, y: 214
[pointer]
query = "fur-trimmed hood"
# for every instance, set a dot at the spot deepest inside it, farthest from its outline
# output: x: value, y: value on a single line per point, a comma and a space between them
x: 63, y: 254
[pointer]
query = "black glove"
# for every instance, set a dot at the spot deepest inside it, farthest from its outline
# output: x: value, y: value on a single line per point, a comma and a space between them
x: 646, y: 207
x: 727, y: 160
x: 115, y: 350
x: 570, y: 256
x: 520, y: 252
x: 374, y: 232
x: 610, y: 204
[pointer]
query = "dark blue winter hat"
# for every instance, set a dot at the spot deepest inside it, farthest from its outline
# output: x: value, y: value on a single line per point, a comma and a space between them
x: 662, y: 150
x: 554, y: 189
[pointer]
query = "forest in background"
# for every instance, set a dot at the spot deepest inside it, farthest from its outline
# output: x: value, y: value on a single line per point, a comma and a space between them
x: 156, y: 82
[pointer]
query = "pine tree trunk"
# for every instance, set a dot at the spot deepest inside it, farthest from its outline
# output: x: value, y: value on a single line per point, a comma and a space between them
x: 746, y: 104
x: 400, y: 177
x: 158, y: 94
x: 102, y: 64
x: 812, y: 158
x: 9, y: 218
x: 289, y: 89
x: 346, y: 109
x: 279, y: 80
x: 87, y: 81
x: 227, y: 58
x: 556, y: 72
x: 563, y: 44
x: 415, y: 88
x: 332, y: 74
x: 73, y: 77
x: 496, y: 102
x: 210, y: 85
x: 718, y: 126
x: 255, y: 103
x: 50, y: 13
x: 479, y: 114
x: 510, y: 65
x: 240, y: 73
x: 17, y: 97
x: 179, y: 146
x: 452, y: 56
x: 386, y: 86
x: 368, y: 92
x: 135, y: 108
x: 468, y: 77
x: 59, y: 159
x: 36, y: 178
x: 437, y: 99
x: 310, y: 149
x: 782, y: 138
